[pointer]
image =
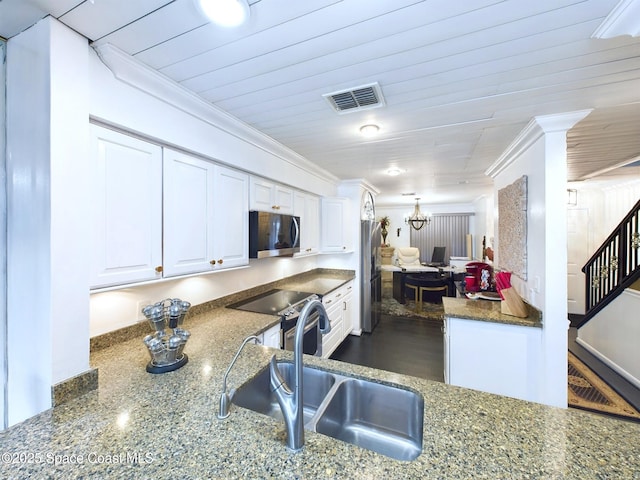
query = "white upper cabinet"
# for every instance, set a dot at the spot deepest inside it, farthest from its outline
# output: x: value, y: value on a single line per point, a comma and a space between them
x: 231, y: 223
x: 127, y: 209
x: 189, y: 203
x: 336, y: 224
x: 307, y: 207
x: 267, y: 196
x: 163, y: 213
x: 205, y: 215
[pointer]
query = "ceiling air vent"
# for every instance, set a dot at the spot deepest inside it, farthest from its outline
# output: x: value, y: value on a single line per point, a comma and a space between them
x: 356, y: 99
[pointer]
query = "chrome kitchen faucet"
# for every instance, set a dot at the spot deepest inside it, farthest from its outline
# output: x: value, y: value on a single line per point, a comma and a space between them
x: 290, y: 400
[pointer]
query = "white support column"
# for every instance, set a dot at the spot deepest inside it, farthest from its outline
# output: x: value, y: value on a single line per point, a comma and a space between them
x: 539, y: 152
x: 47, y: 274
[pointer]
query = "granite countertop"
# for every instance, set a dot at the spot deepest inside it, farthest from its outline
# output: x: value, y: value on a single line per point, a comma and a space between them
x: 488, y: 311
x: 140, y: 425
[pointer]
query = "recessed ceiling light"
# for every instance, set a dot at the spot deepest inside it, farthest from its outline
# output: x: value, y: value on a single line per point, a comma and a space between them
x: 394, y: 171
x: 369, y: 130
x: 227, y: 13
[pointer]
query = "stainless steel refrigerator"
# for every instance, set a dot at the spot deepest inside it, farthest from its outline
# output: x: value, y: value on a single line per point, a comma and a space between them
x: 370, y: 275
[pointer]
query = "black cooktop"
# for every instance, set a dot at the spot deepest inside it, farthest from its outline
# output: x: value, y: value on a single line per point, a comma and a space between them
x: 271, y: 302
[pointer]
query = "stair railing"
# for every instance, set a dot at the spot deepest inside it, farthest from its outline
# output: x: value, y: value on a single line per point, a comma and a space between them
x: 614, y: 266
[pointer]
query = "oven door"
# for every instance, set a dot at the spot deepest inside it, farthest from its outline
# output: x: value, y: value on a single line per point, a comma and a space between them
x: 311, y: 345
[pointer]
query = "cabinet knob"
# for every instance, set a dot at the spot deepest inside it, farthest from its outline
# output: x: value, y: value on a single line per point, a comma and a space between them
x: 220, y: 261
x: 159, y: 269
x: 212, y: 262
x: 275, y: 207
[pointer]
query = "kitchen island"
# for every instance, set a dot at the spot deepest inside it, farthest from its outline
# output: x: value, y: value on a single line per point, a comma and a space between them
x: 140, y: 425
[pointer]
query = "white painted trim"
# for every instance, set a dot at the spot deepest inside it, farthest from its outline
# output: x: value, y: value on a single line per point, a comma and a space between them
x: 537, y: 127
x: 624, y: 19
x: 138, y: 75
x: 610, y: 363
x: 527, y: 137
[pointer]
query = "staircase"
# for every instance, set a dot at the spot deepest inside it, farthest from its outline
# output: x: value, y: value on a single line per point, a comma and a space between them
x: 614, y: 266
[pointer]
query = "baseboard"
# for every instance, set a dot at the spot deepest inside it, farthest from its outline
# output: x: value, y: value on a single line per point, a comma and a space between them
x: 609, y: 363
x: 74, y: 387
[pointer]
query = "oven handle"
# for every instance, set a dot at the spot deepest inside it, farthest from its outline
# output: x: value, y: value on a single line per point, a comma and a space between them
x: 292, y: 331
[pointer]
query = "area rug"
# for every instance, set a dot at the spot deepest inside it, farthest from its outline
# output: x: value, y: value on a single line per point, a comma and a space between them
x: 588, y: 392
x: 432, y: 311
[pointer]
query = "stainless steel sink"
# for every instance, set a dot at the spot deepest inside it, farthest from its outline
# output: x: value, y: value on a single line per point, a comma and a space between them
x: 384, y: 418
x: 378, y: 417
x: 256, y: 394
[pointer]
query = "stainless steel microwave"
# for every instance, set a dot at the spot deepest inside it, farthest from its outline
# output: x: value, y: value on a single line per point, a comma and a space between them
x: 273, y: 234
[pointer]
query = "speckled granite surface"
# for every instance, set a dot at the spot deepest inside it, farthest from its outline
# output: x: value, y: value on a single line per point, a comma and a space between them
x: 488, y: 311
x: 139, y: 425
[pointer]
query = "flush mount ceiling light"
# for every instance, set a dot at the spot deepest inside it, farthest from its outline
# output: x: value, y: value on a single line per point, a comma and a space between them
x: 394, y: 171
x: 417, y: 220
x: 227, y: 13
x: 369, y: 130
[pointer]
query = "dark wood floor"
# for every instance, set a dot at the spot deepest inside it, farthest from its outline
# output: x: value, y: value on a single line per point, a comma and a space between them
x: 407, y: 345
x: 414, y: 346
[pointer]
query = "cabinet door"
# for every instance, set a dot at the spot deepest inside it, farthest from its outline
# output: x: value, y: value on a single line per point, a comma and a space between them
x: 283, y: 198
x: 271, y: 338
x: 348, y: 317
x: 335, y: 225
x: 261, y: 194
x: 231, y: 224
x: 307, y: 207
x: 188, y: 213
x: 267, y: 196
x: 127, y: 209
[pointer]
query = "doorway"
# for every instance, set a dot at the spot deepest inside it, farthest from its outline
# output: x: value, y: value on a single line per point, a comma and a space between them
x: 577, y: 255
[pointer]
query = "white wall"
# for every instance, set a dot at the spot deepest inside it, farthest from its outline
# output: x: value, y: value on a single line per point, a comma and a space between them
x: 613, y: 335
x: 47, y: 145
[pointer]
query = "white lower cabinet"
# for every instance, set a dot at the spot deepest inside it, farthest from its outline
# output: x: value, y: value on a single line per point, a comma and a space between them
x: 339, y: 307
x: 126, y: 209
x: 271, y: 337
x: 492, y: 357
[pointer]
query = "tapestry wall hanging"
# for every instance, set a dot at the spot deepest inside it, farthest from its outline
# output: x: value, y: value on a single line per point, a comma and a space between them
x: 512, y: 227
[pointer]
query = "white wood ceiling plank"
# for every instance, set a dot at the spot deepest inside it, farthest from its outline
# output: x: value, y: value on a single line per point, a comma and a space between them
x: 54, y: 7
x: 304, y: 39
x: 439, y: 86
x: 398, y: 82
x: 407, y: 64
x: 316, y: 23
x: 446, y: 37
x: 264, y: 15
x: 167, y: 22
x: 96, y: 19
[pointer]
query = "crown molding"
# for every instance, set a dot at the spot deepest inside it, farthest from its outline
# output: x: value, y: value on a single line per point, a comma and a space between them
x: 142, y: 77
x: 536, y: 128
x: 624, y: 19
